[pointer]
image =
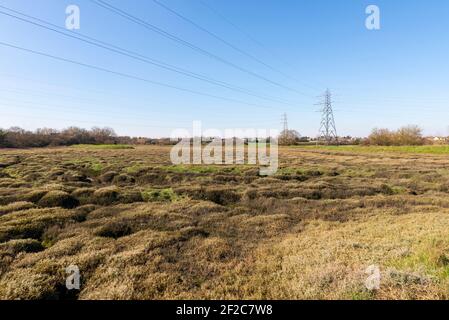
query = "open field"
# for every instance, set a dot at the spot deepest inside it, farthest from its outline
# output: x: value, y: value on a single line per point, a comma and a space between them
x: 141, y: 228
x: 426, y: 149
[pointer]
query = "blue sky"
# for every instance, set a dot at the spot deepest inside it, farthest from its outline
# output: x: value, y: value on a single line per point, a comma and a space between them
x: 395, y: 76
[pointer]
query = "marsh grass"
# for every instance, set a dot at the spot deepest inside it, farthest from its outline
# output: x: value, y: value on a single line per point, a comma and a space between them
x: 164, y: 195
x: 139, y: 227
x: 427, y: 149
x: 102, y: 146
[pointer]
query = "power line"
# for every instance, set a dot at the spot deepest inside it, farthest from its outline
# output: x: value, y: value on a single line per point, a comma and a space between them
x: 188, y: 44
x: 328, y: 131
x: 139, y: 57
x: 246, y: 34
x: 260, y: 44
x: 125, y: 75
x: 214, y: 35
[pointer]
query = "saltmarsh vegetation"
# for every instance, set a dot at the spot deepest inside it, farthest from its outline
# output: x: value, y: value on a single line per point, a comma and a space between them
x: 103, y: 146
x: 140, y: 228
x: 427, y: 149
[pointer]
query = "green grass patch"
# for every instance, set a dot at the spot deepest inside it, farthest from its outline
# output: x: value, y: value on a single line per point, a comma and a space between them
x: 12, y: 172
x: 96, y: 167
x: 289, y: 171
x: 379, y: 149
x: 399, y: 190
x: 203, y: 168
x: 134, y: 169
x: 361, y: 295
x: 359, y: 172
x: 88, y: 162
x: 164, y: 195
x: 431, y: 258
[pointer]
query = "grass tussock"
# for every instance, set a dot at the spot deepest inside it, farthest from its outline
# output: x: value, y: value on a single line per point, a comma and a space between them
x: 102, y: 146
x: 58, y: 199
x: 140, y: 228
x: 16, y: 206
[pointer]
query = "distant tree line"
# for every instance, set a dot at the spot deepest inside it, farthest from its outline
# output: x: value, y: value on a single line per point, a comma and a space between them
x: 410, y: 135
x: 16, y: 137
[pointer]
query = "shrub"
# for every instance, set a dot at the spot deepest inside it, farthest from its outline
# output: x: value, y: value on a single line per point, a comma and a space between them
x: 58, y: 199
x: 103, y: 138
x: 288, y: 137
x: 409, y: 136
x: 405, y: 136
x: 381, y: 137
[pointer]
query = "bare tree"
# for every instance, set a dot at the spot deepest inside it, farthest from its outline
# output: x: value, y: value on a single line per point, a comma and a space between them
x: 408, y: 135
x: 289, y: 137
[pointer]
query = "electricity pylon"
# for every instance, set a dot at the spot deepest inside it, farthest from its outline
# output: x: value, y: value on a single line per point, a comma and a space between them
x: 284, y: 123
x: 328, y: 131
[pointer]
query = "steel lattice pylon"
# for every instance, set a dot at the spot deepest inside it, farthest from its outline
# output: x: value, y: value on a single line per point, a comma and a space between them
x: 328, y: 131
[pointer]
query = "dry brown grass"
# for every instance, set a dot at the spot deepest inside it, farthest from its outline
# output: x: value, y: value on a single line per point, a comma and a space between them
x: 141, y: 228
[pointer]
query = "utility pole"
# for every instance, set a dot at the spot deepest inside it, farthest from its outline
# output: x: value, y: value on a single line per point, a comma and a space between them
x: 284, y: 123
x: 328, y: 131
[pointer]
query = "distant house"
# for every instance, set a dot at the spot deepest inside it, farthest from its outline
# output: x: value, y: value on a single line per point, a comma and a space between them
x: 437, y: 140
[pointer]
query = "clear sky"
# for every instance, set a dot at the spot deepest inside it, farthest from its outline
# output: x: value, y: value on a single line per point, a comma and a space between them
x: 285, y: 52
